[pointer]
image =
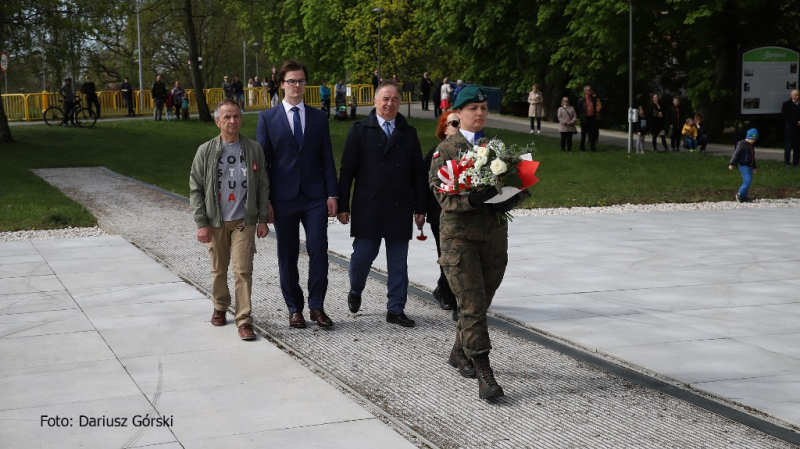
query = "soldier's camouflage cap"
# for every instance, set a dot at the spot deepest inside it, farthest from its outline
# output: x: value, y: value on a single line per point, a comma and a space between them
x: 470, y: 94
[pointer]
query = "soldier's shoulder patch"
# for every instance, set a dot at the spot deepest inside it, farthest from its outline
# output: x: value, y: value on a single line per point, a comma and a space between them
x: 436, y: 154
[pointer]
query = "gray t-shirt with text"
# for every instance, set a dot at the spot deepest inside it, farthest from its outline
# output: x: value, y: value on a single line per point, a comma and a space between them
x: 232, y: 175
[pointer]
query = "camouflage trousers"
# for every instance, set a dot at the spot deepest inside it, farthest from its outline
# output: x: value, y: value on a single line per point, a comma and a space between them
x: 474, y: 270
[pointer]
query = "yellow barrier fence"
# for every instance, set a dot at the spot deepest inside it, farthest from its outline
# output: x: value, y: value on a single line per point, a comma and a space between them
x: 28, y: 107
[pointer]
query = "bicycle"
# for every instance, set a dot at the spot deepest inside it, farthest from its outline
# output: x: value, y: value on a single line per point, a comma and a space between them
x: 85, y: 118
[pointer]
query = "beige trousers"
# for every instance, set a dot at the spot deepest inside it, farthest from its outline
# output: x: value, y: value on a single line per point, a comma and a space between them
x: 237, y: 242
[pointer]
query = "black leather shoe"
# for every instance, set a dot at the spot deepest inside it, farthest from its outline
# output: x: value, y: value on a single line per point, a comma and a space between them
x: 437, y: 295
x: 399, y: 319
x: 448, y: 300
x: 353, y: 302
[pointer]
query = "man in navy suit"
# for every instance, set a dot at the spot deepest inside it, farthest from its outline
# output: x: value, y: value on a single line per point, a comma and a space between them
x: 297, y: 149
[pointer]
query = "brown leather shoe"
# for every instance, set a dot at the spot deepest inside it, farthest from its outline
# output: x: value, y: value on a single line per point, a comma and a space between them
x: 218, y: 318
x: 319, y: 316
x: 297, y: 321
x: 246, y: 332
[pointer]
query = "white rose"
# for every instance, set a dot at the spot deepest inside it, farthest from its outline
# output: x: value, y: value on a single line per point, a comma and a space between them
x: 498, y: 167
x: 470, y: 155
x: 483, y: 152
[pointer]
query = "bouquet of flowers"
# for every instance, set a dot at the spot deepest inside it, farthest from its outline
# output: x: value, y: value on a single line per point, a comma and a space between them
x: 490, y: 163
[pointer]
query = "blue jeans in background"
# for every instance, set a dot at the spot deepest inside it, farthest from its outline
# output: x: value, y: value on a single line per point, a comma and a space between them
x: 747, y: 179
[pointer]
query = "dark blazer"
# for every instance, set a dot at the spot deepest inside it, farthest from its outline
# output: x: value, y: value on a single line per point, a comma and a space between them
x: 677, y: 117
x: 436, y: 94
x: 791, y: 115
x: 390, y: 182
x: 581, y: 108
x: 656, y: 122
x: 425, y: 85
x: 290, y: 167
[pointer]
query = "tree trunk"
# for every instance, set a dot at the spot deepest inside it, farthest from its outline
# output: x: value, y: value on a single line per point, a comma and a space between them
x: 5, y: 131
x: 197, y: 77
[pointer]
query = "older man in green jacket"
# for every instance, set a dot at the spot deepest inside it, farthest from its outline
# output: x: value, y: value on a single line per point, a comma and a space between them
x: 229, y: 194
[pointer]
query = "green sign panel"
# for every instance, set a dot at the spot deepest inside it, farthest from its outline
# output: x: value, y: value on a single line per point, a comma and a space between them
x: 769, y: 75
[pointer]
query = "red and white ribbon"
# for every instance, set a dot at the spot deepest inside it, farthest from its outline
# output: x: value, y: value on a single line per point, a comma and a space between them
x: 449, y: 173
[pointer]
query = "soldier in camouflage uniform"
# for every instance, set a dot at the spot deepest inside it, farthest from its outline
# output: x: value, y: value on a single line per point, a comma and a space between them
x: 474, y: 247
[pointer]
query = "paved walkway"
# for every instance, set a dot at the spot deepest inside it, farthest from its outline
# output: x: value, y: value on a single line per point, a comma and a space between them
x: 576, y: 277
x: 98, y: 340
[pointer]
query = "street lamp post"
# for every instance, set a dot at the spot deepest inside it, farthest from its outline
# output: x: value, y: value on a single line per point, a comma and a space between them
x: 139, y: 39
x: 255, y: 45
x: 244, y: 63
x: 379, y: 11
x: 631, y: 112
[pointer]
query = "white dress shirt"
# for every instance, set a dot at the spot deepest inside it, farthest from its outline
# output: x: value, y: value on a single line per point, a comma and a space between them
x: 469, y: 135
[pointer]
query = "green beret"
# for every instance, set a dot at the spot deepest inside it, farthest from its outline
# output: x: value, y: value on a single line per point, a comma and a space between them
x: 470, y: 94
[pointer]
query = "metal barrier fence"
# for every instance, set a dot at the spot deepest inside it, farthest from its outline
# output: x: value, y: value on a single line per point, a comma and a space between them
x: 28, y: 107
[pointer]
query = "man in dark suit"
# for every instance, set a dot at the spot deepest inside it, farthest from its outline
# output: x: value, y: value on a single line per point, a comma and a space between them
x: 588, y: 110
x: 425, y: 85
x: 382, y: 155
x: 376, y: 81
x: 676, y: 118
x: 297, y: 145
x: 791, y: 129
x: 127, y: 95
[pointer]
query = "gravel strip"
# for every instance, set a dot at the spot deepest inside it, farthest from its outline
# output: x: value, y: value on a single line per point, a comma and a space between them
x: 47, y: 234
x: 553, y: 400
x: 664, y: 207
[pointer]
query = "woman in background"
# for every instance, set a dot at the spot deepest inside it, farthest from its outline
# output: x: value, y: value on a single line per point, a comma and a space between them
x: 536, y: 109
x: 448, y: 126
x: 566, y: 124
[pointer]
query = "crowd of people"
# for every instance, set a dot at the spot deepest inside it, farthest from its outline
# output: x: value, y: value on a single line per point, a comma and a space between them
x: 286, y: 176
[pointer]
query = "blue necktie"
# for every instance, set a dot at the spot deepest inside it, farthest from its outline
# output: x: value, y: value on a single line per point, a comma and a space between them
x: 298, y: 127
x: 478, y: 135
x: 388, y: 130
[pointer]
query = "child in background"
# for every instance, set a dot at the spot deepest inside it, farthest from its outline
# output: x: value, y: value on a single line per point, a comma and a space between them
x: 185, y: 108
x: 702, y: 132
x: 745, y: 157
x: 169, y: 105
x: 689, y: 133
x: 641, y: 133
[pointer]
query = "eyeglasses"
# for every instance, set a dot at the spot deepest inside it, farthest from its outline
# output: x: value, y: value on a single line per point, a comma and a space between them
x: 453, y: 123
x: 295, y: 82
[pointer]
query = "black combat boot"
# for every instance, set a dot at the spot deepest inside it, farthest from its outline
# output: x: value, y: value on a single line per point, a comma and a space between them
x: 459, y: 360
x: 487, y: 386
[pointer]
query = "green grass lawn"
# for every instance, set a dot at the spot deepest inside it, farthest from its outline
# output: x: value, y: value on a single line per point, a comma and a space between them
x: 160, y: 153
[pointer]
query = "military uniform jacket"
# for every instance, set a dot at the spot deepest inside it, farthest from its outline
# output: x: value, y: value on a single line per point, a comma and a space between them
x: 389, y: 179
x: 459, y: 218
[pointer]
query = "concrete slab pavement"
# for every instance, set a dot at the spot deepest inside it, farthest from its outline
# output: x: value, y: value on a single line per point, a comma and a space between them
x: 95, y: 336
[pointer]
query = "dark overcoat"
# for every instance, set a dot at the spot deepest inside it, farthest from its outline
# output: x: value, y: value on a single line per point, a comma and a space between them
x: 390, y: 182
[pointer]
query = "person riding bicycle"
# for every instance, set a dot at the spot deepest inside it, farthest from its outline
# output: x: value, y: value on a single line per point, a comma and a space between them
x: 68, y: 92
